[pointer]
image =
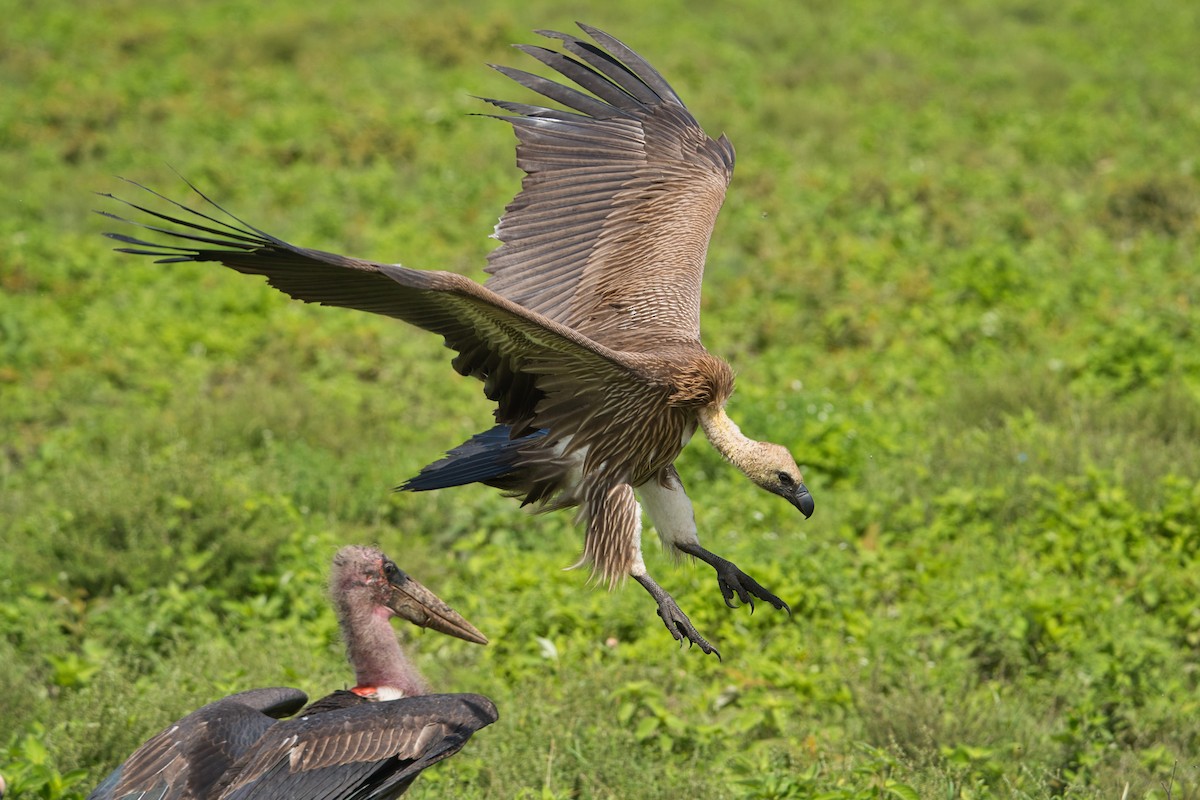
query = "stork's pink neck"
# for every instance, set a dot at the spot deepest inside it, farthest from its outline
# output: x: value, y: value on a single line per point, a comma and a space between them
x: 379, y: 662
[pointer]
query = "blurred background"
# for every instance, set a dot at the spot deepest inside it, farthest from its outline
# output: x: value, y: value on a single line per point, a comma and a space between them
x: 956, y: 273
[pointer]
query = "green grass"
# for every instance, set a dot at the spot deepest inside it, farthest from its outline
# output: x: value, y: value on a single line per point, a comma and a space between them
x: 957, y: 273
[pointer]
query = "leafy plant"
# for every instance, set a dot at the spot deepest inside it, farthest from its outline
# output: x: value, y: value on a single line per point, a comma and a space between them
x: 955, y: 272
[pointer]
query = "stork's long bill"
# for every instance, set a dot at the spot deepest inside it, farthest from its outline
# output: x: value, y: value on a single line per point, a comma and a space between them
x: 417, y: 604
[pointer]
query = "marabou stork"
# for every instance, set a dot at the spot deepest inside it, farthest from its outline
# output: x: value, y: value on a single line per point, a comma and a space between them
x: 367, y: 742
x: 587, y: 332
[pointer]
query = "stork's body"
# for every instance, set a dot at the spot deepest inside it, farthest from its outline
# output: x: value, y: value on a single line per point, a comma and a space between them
x: 369, y: 742
x: 187, y: 759
x: 587, y: 333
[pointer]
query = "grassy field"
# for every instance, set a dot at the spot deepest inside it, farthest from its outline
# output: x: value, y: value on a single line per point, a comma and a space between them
x: 957, y: 273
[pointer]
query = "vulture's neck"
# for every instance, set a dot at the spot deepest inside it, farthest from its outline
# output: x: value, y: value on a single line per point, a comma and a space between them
x: 726, y: 436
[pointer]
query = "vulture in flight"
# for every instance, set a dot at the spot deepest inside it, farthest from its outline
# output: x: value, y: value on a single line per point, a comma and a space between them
x: 586, y: 334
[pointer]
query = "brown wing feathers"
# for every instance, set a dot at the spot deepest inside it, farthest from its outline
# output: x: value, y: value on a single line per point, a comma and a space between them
x: 601, y: 260
x: 491, y: 334
x: 609, y: 232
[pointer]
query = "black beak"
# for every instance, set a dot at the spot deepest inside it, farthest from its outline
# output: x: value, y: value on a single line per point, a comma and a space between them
x: 802, y: 500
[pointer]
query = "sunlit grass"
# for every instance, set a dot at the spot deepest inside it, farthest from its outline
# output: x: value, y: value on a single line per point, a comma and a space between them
x: 956, y: 273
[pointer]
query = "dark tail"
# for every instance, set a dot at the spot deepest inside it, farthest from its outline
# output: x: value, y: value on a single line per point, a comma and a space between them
x: 486, y: 457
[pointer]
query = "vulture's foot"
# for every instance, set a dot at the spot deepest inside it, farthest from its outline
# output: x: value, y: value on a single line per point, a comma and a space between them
x: 733, y: 581
x: 677, y: 622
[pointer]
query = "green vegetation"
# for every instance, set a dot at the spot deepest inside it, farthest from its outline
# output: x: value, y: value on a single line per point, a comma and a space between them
x: 957, y: 274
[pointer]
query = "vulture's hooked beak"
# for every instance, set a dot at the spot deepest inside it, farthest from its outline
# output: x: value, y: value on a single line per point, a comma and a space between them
x: 421, y: 607
x: 801, y: 499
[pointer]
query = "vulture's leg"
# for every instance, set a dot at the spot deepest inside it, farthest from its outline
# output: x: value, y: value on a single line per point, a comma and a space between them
x: 673, y: 617
x: 732, y: 580
x: 614, y: 546
x: 671, y: 511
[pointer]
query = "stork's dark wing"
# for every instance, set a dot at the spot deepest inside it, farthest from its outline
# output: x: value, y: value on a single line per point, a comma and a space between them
x: 342, y: 698
x: 609, y: 232
x: 187, y: 759
x: 541, y: 374
x: 373, y: 750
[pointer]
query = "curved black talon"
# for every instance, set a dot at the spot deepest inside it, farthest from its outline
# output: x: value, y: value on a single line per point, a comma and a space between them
x: 747, y: 589
x: 677, y: 623
x: 682, y: 630
x: 732, y: 581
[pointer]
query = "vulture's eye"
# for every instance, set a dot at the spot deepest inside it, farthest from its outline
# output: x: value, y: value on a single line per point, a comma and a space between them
x: 786, y: 480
